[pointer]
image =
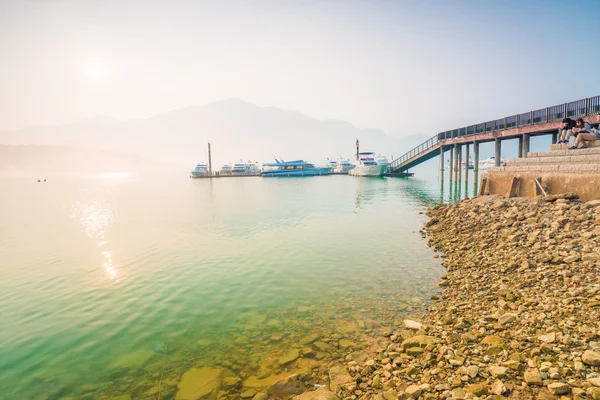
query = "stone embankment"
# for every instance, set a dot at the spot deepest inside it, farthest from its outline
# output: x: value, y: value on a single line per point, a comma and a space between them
x: 520, y: 312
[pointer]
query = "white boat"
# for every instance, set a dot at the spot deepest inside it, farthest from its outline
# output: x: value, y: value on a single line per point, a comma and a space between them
x: 200, y: 171
x: 367, y: 165
x: 470, y: 165
x: 343, y: 166
x: 245, y: 168
x: 489, y: 162
x: 226, y: 169
x: 381, y: 160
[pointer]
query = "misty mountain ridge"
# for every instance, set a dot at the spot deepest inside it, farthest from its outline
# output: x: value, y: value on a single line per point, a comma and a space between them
x: 235, y: 128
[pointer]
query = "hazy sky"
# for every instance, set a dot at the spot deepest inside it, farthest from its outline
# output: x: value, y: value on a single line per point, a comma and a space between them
x: 403, y: 66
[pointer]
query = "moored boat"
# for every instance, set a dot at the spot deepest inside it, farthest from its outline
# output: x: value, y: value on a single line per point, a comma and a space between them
x: 367, y: 165
x: 226, y: 169
x: 245, y: 168
x: 292, y: 168
x: 469, y: 165
x: 489, y: 162
x: 343, y: 166
x: 200, y: 171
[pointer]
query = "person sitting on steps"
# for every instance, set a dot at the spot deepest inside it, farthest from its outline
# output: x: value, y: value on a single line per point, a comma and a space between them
x: 566, y: 131
x: 586, y: 135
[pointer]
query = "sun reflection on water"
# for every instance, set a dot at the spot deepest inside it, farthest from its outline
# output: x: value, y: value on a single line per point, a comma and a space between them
x: 96, y: 217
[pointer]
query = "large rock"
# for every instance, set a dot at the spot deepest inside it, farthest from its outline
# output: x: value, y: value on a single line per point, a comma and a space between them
x: 497, y: 371
x: 286, y: 387
x: 533, y: 377
x: 548, y: 338
x: 594, y: 381
x: 413, y: 391
x: 338, y: 378
x: 558, y: 388
x: 591, y: 357
x: 289, y: 357
x: 254, y: 383
x: 200, y: 383
x: 418, y: 341
x: 319, y: 394
x: 413, y: 325
x: 493, y: 340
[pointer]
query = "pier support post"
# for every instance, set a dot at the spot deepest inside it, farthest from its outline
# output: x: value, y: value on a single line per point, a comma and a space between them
x: 442, y: 163
x: 457, y: 163
x: 554, y: 137
x: 497, y: 152
x: 475, y: 166
x: 526, y: 140
x: 466, y: 167
x: 451, y: 163
x: 520, y: 149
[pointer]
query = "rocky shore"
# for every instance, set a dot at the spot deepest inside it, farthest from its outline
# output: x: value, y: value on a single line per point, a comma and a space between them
x: 519, y: 315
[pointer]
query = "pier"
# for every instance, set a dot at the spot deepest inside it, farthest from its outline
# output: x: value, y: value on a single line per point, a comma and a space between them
x: 544, y: 121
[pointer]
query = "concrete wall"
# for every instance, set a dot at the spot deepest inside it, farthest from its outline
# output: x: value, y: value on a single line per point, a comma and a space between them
x: 585, y: 184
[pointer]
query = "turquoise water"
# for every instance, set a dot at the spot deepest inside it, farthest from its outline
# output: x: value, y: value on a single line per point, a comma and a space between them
x: 106, y: 280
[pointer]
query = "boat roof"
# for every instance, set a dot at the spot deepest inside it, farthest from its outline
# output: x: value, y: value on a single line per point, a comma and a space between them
x: 367, y: 153
x: 278, y: 162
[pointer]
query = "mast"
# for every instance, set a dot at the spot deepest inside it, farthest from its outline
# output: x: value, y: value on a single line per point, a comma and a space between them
x: 209, y: 161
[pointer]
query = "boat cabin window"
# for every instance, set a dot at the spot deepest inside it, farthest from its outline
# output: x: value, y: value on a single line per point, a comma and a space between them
x: 365, y: 162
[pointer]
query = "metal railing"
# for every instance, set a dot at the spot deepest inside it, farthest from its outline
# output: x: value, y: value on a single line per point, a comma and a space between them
x: 574, y: 109
x: 422, y: 148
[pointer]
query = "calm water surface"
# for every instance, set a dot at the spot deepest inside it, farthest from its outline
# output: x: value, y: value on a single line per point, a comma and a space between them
x: 106, y: 279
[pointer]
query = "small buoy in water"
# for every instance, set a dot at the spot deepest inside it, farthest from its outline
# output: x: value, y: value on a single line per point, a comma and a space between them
x: 44, y: 180
x: 39, y: 180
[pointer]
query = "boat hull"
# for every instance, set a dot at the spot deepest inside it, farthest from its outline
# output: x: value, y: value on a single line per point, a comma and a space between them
x: 197, y: 174
x: 298, y: 173
x: 368, y: 170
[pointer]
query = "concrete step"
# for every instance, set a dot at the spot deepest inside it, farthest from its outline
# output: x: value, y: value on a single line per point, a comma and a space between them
x: 596, y: 144
x: 549, y: 168
x: 564, y: 152
x: 565, y: 157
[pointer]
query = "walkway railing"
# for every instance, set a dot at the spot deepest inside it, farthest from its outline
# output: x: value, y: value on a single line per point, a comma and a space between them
x: 422, y: 148
x: 574, y: 109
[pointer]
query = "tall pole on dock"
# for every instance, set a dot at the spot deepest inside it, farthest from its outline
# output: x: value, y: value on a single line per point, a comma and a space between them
x: 209, y: 161
x: 357, y: 149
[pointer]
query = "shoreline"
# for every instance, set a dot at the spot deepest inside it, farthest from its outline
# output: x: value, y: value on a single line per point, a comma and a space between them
x: 519, y: 314
x: 520, y: 310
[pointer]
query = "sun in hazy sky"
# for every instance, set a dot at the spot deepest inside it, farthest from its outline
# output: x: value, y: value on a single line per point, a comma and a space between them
x: 96, y: 71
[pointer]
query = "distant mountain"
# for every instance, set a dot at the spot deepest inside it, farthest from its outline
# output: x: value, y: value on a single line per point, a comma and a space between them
x: 236, y: 130
x: 47, y: 159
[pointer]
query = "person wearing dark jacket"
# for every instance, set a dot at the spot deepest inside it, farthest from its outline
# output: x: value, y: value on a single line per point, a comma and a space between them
x: 566, y: 131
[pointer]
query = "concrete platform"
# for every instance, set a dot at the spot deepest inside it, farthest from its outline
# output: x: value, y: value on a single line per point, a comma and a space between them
x: 553, y: 172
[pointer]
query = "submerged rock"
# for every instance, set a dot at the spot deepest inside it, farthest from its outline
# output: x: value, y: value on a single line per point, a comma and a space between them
x: 338, y: 378
x: 289, y: 357
x: 200, y: 383
x: 319, y: 394
x: 285, y: 387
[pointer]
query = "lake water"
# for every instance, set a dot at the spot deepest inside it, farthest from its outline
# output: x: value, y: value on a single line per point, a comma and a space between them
x: 113, y: 284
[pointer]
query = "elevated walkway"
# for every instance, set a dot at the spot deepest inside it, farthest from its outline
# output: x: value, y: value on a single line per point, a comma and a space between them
x: 544, y: 121
x: 557, y: 171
